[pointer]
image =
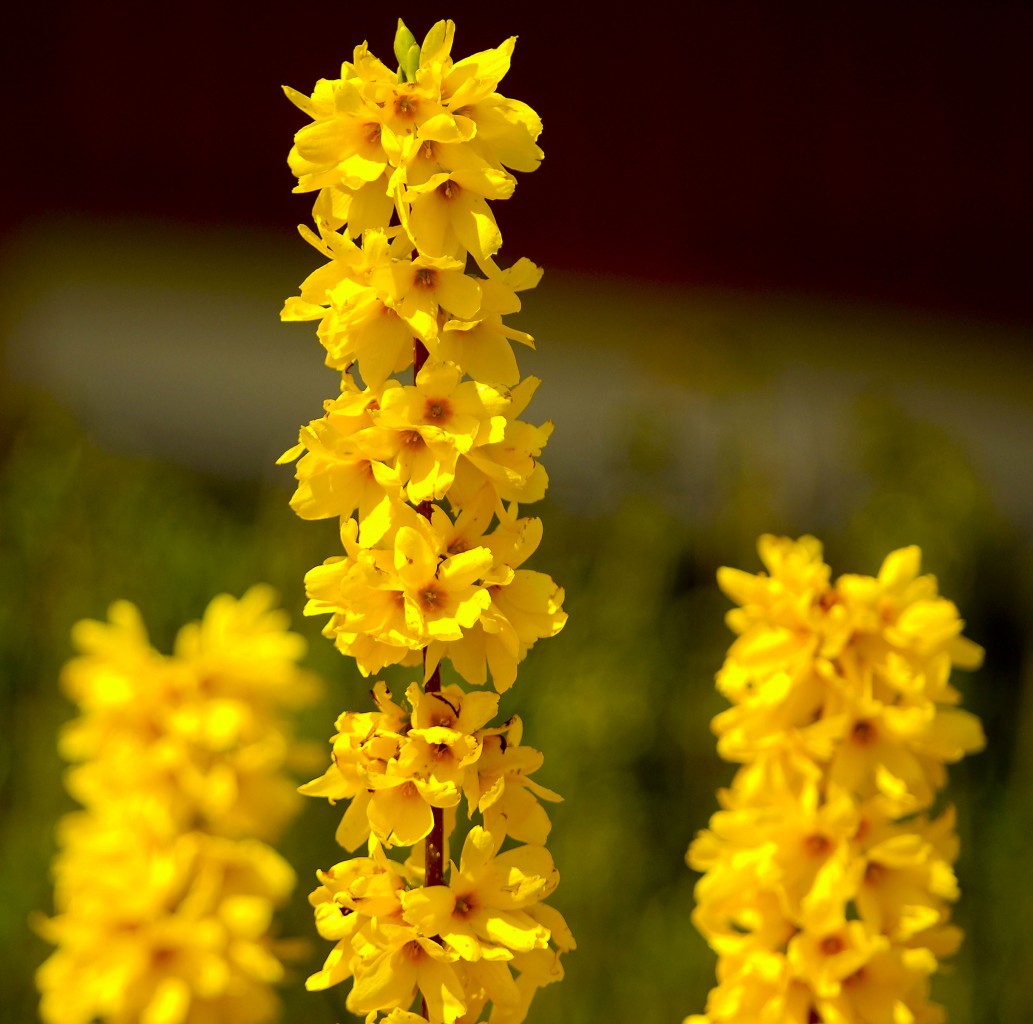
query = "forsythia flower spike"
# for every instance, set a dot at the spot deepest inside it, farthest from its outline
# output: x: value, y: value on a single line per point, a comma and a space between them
x: 827, y: 877
x: 426, y: 474
x: 163, y: 901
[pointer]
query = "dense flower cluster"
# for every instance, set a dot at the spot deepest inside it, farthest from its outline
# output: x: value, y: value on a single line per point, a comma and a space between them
x: 456, y: 944
x: 163, y: 896
x: 430, y: 147
x: 426, y: 475
x: 828, y: 878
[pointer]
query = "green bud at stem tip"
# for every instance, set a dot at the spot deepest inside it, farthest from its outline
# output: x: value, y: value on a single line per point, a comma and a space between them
x: 407, y: 53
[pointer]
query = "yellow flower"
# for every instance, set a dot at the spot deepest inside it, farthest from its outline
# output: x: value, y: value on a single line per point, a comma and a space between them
x: 343, y: 144
x: 757, y: 989
x: 197, y: 733
x: 800, y: 852
x: 482, y: 348
x: 401, y: 964
x: 524, y: 607
x: 535, y: 969
x: 502, y: 790
x: 395, y: 769
x: 341, y: 471
x: 426, y: 427
x: 437, y: 145
x: 897, y: 750
x: 908, y: 881
x: 362, y: 747
x: 481, y: 911
x: 508, y: 464
x: 401, y: 597
x: 854, y: 975
x: 825, y: 893
x: 901, y: 620
x: 163, y: 932
x: 440, y: 594
x: 789, y: 619
x: 448, y: 215
x: 399, y: 808
x: 419, y: 288
x: 445, y: 739
x: 351, y: 897
x: 368, y: 617
x: 357, y: 320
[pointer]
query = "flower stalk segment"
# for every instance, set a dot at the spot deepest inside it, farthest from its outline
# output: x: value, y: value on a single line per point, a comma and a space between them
x: 424, y: 459
x: 163, y: 895
x: 828, y: 874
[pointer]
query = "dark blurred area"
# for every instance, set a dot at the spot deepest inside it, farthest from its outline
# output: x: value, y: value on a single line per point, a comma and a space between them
x: 873, y: 151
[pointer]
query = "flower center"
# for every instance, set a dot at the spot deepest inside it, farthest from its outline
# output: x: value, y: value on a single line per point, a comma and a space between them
x: 437, y: 410
x: 162, y: 956
x: 432, y: 598
x: 405, y: 106
x: 864, y: 733
x: 873, y: 873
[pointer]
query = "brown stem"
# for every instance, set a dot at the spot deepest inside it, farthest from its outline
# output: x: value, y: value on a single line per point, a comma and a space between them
x: 419, y: 356
x: 436, y: 849
x: 434, y: 856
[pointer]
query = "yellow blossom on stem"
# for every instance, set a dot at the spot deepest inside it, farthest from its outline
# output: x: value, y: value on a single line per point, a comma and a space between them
x: 424, y: 473
x: 480, y: 912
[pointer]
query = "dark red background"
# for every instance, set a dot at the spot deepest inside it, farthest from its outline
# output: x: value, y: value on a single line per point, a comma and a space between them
x: 862, y: 150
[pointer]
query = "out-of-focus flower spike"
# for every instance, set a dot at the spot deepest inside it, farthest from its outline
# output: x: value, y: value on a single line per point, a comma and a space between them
x: 826, y: 891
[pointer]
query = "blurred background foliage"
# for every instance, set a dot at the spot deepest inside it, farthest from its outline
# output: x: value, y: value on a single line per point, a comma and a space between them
x: 815, y: 221
x: 687, y: 424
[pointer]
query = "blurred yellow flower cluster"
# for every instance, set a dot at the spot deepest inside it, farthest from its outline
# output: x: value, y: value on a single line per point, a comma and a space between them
x: 426, y: 476
x: 828, y: 877
x: 163, y: 896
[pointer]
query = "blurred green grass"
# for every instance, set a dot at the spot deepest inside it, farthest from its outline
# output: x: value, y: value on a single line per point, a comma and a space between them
x: 619, y: 703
